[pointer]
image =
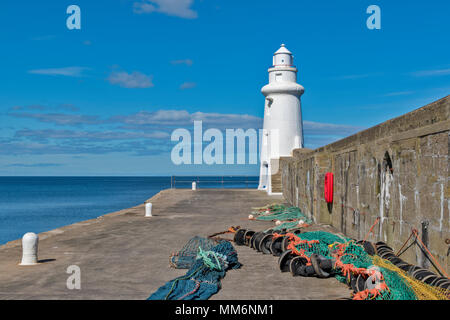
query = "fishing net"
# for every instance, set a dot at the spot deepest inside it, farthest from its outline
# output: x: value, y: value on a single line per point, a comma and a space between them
x: 422, y: 290
x: 268, y: 208
x: 286, y: 226
x: 351, y: 260
x: 186, y: 257
x: 325, y: 238
x: 202, y: 280
x: 290, y: 216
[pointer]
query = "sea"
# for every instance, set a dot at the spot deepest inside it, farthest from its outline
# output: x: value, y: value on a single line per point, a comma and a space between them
x: 38, y: 204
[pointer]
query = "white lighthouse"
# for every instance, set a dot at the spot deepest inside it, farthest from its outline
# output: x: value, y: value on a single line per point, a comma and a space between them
x: 283, y: 128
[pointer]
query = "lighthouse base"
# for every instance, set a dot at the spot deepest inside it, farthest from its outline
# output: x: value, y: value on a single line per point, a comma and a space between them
x: 270, y: 177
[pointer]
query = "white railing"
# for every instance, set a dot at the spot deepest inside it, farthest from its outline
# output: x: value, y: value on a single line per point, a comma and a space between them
x: 214, y: 182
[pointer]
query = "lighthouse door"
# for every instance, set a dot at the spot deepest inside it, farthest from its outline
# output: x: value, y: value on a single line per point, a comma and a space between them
x: 263, y: 176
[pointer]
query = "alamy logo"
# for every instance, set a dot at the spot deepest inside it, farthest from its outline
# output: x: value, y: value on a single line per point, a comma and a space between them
x: 74, y: 20
x: 374, y: 20
x: 375, y: 279
x: 74, y: 280
x: 235, y: 143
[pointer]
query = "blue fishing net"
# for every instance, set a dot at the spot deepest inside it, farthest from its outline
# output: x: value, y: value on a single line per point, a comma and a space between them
x: 185, y: 258
x: 202, y: 280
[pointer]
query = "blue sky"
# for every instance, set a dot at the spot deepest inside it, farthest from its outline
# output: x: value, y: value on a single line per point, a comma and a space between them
x: 103, y: 100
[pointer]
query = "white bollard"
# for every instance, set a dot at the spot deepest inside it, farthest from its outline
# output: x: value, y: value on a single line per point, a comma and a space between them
x: 29, y: 249
x: 148, y: 209
x: 194, y: 185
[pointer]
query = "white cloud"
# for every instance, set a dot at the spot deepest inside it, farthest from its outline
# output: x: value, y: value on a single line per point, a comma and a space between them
x: 187, y: 62
x: 37, y: 107
x: 46, y: 37
x: 356, y: 76
x: 67, y: 71
x: 61, y: 119
x: 431, y: 73
x: 329, y: 129
x: 180, y: 118
x: 177, y: 8
x: 89, y: 135
x: 130, y: 80
x: 143, y: 7
x: 33, y: 107
x: 166, y: 118
x: 141, y: 133
x: 399, y: 93
x: 188, y: 85
x: 34, y: 165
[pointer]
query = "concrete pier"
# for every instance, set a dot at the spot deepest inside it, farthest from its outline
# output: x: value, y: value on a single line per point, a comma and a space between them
x: 124, y: 255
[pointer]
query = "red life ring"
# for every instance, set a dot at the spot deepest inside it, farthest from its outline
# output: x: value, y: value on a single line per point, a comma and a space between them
x: 328, y: 187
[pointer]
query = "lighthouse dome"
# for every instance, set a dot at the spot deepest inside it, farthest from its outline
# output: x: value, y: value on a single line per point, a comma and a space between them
x: 282, y: 57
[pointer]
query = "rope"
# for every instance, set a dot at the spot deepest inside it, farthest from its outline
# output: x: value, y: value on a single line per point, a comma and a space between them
x: 441, y: 270
x: 371, y: 228
x: 363, y: 295
x: 207, y: 260
x: 267, y: 206
x: 294, y: 241
x: 187, y: 276
x: 197, y: 286
x: 347, y: 268
x: 232, y: 229
x: 397, y: 254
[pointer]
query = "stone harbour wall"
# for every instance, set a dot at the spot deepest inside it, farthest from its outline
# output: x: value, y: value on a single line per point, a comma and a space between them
x: 397, y: 171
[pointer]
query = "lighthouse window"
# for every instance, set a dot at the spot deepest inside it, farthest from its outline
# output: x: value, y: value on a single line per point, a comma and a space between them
x: 278, y: 76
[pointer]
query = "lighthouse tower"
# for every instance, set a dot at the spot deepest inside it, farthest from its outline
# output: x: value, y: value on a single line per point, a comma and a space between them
x: 283, y: 128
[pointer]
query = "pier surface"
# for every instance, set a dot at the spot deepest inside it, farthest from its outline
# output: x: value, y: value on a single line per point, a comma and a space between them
x: 124, y: 255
